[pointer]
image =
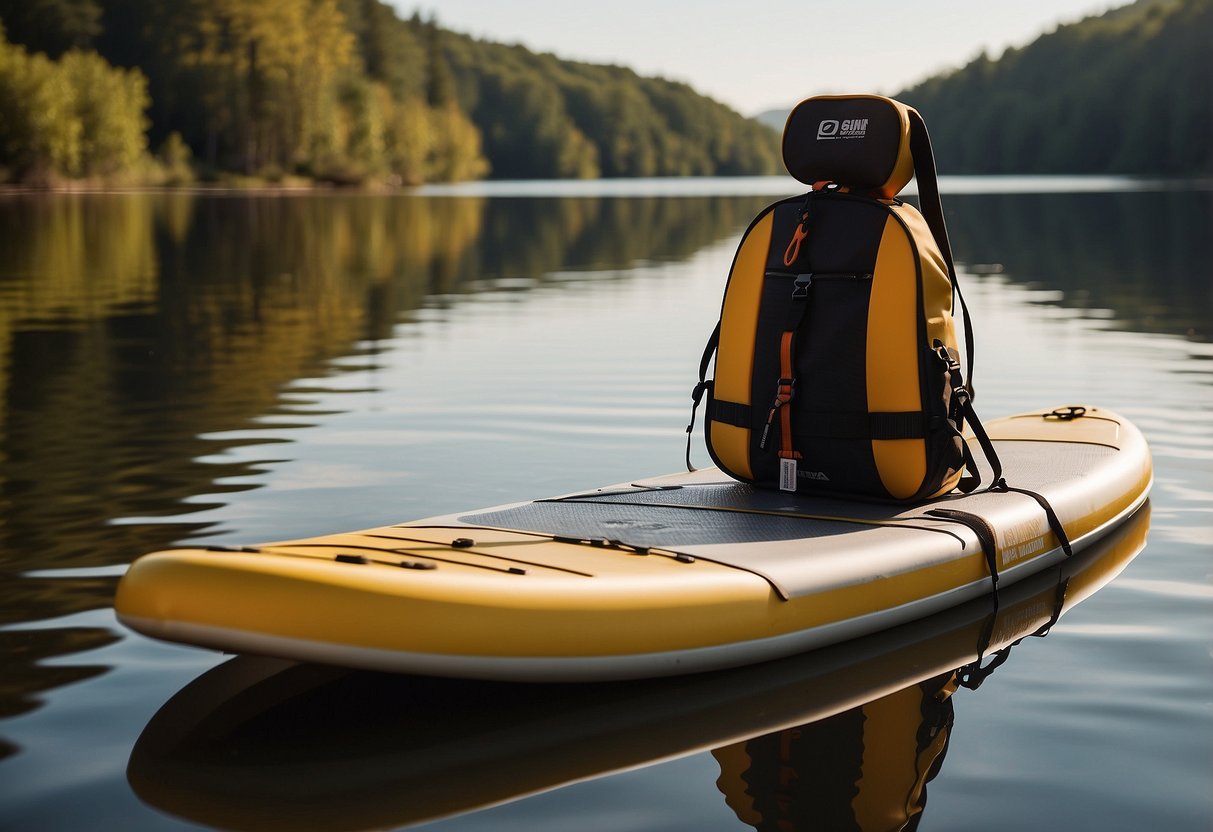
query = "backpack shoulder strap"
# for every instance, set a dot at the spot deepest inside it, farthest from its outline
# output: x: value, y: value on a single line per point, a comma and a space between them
x: 932, y: 212
x: 697, y: 394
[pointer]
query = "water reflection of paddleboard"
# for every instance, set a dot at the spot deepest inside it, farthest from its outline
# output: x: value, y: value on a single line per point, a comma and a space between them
x: 672, y: 575
x: 263, y: 743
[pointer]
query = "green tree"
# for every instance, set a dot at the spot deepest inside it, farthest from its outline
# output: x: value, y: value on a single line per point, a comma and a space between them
x: 455, y: 150
x: 39, y: 138
x: 175, y: 158
x: 78, y: 117
x: 109, y: 104
x: 412, y: 143
x: 439, y: 84
x: 265, y: 72
x: 391, y: 50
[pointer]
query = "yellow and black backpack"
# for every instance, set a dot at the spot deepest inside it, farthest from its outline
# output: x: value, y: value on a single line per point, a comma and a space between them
x: 837, y: 369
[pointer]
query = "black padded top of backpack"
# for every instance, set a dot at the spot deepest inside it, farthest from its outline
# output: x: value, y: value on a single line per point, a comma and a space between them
x: 859, y: 141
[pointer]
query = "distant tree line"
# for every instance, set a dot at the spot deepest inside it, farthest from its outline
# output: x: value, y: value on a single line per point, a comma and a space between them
x: 265, y: 88
x: 338, y: 90
x: 1130, y: 91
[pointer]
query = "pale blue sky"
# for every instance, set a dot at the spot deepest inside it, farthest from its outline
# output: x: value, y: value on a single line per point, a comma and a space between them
x: 759, y: 55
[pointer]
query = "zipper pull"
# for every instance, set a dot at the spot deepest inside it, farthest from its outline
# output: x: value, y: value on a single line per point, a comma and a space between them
x: 766, y: 429
x: 785, y: 391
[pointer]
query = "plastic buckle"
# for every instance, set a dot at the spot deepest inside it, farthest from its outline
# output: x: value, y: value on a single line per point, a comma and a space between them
x: 785, y: 389
x: 945, y: 355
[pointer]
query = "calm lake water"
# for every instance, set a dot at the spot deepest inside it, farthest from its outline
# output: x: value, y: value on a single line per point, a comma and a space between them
x: 224, y: 368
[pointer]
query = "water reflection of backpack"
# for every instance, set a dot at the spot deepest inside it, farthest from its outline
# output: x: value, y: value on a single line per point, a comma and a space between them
x: 865, y: 769
x: 837, y: 370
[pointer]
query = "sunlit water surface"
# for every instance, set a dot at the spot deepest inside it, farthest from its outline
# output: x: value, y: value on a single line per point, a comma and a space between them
x: 233, y: 368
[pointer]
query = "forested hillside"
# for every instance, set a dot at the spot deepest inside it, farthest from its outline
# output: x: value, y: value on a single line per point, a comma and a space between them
x: 1130, y: 91
x: 337, y: 90
x: 545, y: 117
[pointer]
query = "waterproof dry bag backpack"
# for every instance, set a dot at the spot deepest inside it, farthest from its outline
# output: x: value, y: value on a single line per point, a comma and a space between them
x: 837, y: 370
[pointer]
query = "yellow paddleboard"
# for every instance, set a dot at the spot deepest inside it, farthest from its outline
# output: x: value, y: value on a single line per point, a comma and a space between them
x: 676, y: 574
x: 383, y: 751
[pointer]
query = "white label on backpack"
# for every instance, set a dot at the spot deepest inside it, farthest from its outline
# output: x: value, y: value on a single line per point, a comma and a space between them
x: 787, y: 475
x: 851, y: 128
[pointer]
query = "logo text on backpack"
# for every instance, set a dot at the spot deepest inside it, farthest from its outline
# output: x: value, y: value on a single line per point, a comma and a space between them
x: 850, y: 128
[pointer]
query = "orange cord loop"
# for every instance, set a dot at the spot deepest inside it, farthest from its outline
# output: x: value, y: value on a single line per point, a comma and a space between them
x: 798, y: 236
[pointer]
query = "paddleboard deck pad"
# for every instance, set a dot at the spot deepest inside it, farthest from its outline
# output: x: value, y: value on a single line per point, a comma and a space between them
x: 677, y: 574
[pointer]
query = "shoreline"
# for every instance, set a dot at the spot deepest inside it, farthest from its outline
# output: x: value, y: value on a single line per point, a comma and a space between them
x: 630, y: 186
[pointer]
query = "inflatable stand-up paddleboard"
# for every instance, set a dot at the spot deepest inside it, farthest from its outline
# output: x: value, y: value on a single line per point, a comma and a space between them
x: 677, y: 574
x: 259, y: 743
